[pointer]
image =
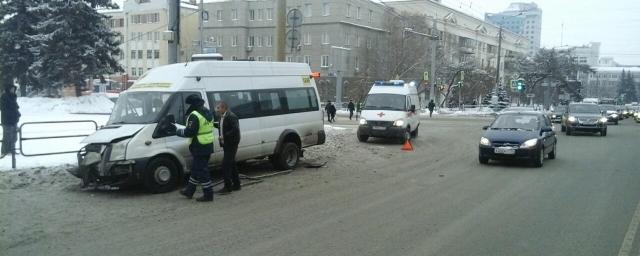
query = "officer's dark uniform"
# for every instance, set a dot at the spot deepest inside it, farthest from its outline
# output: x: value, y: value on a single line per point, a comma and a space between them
x: 200, y: 130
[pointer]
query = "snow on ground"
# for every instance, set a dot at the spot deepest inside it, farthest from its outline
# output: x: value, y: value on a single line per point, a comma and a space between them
x: 455, y: 112
x: 63, y: 109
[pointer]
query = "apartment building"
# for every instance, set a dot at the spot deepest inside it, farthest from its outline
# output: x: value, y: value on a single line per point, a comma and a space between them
x: 524, y: 19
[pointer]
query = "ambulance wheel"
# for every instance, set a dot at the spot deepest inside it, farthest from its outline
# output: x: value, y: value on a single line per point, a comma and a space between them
x: 161, y: 175
x: 288, y: 157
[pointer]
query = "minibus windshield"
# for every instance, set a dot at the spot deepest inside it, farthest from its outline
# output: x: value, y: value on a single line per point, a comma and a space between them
x: 386, y: 102
x: 138, y: 107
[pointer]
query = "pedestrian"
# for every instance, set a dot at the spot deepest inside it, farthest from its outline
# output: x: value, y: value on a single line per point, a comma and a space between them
x: 200, y: 129
x: 332, y: 112
x: 229, y: 131
x: 351, y: 107
x: 10, y: 117
x: 327, y: 109
x: 431, y: 106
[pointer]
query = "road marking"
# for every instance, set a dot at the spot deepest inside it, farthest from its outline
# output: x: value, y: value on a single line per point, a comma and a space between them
x: 627, y: 243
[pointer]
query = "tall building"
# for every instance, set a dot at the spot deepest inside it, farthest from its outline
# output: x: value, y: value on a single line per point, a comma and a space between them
x: 524, y: 19
x: 466, y: 38
x: 141, y: 25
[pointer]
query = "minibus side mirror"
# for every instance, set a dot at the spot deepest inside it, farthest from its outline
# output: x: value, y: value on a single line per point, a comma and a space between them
x: 162, y: 127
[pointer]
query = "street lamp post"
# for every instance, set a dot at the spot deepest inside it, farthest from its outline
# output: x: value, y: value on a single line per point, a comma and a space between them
x: 433, y: 38
x: 338, y: 71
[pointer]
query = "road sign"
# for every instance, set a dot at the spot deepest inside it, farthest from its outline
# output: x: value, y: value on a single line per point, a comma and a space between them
x: 530, y: 95
x: 293, y: 38
x: 294, y: 18
x: 426, y: 76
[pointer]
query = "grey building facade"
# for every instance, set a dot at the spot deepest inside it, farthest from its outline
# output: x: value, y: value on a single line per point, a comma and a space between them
x: 524, y: 19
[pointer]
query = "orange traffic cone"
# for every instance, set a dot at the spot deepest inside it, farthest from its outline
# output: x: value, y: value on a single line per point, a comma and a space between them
x: 407, y: 146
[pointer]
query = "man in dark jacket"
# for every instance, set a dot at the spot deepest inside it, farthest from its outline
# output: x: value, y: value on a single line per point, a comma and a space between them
x: 200, y: 130
x: 10, y: 117
x: 327, y: 109
x: 229, y: 131
x: 332, y: 112
x: 351, y: 107
x: 431, y: 106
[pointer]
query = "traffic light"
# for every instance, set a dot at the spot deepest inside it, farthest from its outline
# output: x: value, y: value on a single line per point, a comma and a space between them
x: 520, y: 86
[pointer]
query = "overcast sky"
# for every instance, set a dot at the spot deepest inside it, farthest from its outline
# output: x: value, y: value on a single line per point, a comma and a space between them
x: 614, y: 23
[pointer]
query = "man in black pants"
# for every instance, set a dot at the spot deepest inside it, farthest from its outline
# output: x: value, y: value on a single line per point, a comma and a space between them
x: 10, y: 117
x: 229, y: 131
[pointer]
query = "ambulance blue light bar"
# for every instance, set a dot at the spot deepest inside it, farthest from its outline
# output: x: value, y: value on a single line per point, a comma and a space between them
x: 389, y: 83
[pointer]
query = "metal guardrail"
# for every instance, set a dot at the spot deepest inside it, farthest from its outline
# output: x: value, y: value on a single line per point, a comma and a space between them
x: 52, y: 137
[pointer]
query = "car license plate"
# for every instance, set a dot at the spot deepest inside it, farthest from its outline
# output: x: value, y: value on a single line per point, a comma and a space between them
x: 382, y: 128
x: 505, y: 151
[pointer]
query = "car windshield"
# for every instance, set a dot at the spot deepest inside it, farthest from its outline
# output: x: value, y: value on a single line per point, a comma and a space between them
x: 516, y: 122
x: 138, y: 107
x: 584, y: 108
x: 386, y: 102
x: 609, y: 107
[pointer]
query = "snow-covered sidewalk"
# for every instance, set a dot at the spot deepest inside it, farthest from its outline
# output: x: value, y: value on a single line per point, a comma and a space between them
x: 93, y: 108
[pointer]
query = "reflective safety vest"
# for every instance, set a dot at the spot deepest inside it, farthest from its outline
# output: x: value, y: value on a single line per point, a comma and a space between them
x: 205, y: 129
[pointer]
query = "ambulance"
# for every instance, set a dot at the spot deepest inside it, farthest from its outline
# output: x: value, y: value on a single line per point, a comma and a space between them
x: 277, y: 105
x: 390, y: 111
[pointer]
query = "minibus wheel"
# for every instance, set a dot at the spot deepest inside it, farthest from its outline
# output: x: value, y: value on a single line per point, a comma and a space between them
x: 288, y: 157
x: 161, y: 175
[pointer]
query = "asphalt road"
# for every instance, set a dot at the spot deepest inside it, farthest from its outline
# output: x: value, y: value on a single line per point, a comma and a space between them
x: 372, y: 199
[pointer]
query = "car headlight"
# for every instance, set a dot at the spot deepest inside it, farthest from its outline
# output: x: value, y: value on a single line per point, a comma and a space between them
x: 603, y: 120
x: 485, y: 142
x: 363, y: 121
x: 530, y: 143
x: 624, y: 113
x: 118, y: 150
x: 553, y: 116
x: 398, y: 123
x: 572, y: 119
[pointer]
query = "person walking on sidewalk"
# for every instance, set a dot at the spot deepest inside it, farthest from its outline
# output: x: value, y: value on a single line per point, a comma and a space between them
x: 351, y: 107
x: 229, y: 131
x: 431, y: 106
x: 200, y: 129
x: 10, y: 117
x: 327, y: 109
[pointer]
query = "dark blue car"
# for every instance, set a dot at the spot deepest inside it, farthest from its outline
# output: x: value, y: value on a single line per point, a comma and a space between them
x: 525, y: 136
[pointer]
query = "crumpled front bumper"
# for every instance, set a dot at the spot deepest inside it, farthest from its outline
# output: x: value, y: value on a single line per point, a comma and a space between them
x: 94, y: 168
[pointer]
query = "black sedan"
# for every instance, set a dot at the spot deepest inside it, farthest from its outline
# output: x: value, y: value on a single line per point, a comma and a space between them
x: 556, y: 114
x: 525, y: 136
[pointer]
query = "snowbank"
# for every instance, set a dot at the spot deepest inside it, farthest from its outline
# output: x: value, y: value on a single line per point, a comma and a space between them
x: 93, y: 104
x: 469, y: 112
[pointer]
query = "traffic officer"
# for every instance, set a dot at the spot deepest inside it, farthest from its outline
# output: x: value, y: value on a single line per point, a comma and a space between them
x: 200, y: 129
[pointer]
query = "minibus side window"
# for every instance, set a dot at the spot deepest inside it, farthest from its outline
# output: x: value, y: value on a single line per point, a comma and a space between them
x: 269, y: 102
x: 240, y: 102
x: 177, y: 107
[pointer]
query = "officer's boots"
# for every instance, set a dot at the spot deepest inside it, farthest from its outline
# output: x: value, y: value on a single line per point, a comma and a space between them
x: 207, y: 195
x: 188, y: 190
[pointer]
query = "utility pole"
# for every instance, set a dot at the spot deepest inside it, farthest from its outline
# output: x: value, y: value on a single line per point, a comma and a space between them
x: 281, y: 9
x: 338, y: 70
x: 201, y: 21
x: 498, y: 63
x: 432, y: 93
x: 174, y: 26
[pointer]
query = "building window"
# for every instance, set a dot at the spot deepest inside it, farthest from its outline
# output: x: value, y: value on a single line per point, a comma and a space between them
x: 260, y: 14
x: 149, y: 36
x: 307, y: 38
x: 370, y: 16
x: 133, y: 36
x: 358, y: 12
x: 269, y: 13
x: 347, y: 39
x: 369, y: 43
x: 324, y: 61
x: 326, y: 9
x: 140, y: 55
x: 149, y: 54
x: 252, y: 41
x: 140, y: 35
x: 234, y: 41
x: 307, y: 59
x: 348, y: 11
x: 133, y: 54
x: 156, y: 54
x: 145, y: 18
x: 234, y: 14
x: 252, y: 15
x: 234, y: 58
x: 219, y: 41
x: 219, y: 15
x: 358, y: 41
x: 289, y: 58
x: 269, y: 58
x: 260, y: 58
x: 269, y: 41
x: 325, y: 37
x: 307, y: 10
x: 156, y: 36
x: 260, y: 41
x: 357, y: 63
x: 133, y: 72
x: 140, y: 71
